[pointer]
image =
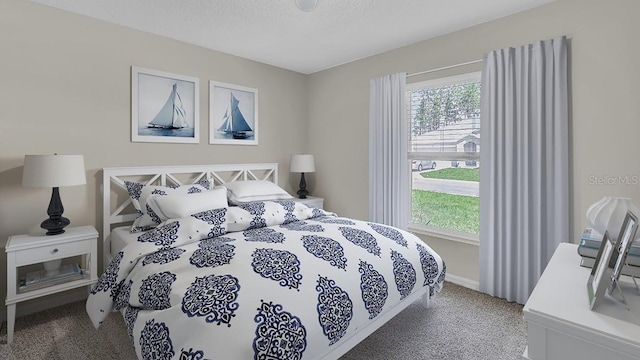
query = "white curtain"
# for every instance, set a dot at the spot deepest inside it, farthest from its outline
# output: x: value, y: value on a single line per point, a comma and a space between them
x: 388, y: 164
x: 524, y: 172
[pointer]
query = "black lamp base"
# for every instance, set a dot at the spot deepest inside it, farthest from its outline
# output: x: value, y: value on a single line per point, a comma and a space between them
x: 56, y: 222
x: 55, y: 226
x: 302, y: 193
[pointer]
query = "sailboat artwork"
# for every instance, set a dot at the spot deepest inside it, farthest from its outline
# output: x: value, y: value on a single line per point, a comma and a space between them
x: 172, y: 115
x: 233, y: 122
x: 164, y: 107
x: 233, y: 116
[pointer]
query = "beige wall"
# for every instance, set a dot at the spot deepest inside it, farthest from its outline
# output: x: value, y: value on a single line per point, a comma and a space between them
x: 605, y: 115
x: 65, y: 88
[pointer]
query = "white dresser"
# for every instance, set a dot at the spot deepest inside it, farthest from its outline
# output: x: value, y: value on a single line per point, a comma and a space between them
x: 561, y: 326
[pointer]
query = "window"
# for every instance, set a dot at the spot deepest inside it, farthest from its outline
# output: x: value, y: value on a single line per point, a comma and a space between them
x: 444, y: 151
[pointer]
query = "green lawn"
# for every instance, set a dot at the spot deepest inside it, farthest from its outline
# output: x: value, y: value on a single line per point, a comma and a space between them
x: 446, y: 211
x: 454, y: 174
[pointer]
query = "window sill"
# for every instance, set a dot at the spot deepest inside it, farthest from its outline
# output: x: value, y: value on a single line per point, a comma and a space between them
x: 444, y: 234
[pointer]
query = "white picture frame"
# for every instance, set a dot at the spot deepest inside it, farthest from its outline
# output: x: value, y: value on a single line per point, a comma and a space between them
x: 233, y: 114
x: 623, y: 245
x: 601, y: 274
x: 165, y: 107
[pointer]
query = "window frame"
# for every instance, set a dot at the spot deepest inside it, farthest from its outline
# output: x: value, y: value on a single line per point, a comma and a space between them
x: 458, y: 236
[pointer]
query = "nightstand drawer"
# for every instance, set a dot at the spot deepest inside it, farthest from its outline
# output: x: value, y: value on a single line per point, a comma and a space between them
x: 52, y: 252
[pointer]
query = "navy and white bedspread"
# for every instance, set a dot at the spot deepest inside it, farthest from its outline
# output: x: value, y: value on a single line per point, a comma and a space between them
x: 266, y: 280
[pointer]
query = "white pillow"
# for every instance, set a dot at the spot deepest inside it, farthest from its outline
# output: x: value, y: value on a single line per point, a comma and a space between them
x: 244, y: 191
x: 139, y: 193
x: 178, y: 206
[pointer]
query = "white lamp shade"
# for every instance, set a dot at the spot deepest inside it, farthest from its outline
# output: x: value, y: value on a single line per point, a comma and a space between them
x: 302, y: 163
x: 53, y: 170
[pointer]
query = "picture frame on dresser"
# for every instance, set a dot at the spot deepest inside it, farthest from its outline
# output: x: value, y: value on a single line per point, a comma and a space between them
x: 602, y: 272
x: 165, y: 107
x: 623, y: 245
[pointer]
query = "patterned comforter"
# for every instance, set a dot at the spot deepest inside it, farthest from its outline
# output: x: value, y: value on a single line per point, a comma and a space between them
x: 265, y: 280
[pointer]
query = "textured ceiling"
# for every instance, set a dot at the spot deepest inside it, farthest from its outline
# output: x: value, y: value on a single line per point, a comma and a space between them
x: 276, y: 32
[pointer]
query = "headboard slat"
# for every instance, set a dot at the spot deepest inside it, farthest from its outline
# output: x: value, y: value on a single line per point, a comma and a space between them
x: 121, y: 208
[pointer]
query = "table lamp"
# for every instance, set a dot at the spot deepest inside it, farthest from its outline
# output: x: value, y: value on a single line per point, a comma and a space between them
x: 54, y: 171
x: 302, y: 164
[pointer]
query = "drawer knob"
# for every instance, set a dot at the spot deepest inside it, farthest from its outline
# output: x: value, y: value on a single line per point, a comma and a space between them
x: 55, y: 251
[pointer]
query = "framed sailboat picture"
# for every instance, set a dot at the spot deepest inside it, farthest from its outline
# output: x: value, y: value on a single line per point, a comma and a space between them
x: 164, y: 107
x: 233, y: 114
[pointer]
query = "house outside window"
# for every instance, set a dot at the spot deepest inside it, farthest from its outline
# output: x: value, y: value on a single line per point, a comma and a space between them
x: 444, y: 151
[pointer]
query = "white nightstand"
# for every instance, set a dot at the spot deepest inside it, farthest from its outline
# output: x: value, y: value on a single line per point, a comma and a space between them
x: 25, y: 250
x: 312, y: 201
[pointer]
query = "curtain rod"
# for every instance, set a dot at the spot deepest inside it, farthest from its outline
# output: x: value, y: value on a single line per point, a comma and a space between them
x: 444, y: 68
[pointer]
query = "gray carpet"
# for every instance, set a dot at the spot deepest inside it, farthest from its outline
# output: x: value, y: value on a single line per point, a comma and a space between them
x: 461, y: 324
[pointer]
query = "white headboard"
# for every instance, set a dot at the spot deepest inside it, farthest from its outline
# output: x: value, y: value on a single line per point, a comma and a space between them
x: 117, y: 207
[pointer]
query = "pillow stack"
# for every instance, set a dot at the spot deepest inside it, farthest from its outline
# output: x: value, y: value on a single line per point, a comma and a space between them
x: 148, y: 217
x: 156, y: 204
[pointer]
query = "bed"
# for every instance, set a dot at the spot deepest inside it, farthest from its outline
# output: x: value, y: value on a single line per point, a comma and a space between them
x: 266, y: 277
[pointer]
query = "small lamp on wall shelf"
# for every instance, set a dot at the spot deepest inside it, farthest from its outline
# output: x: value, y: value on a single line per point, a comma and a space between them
x: 54, y: 171
x: 302, y: 164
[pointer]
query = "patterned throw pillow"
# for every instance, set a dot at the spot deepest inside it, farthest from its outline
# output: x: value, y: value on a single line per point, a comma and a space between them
x: 138, y: 192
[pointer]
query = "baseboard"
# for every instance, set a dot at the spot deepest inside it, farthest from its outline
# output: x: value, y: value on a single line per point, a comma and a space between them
x: 459, y: 280
x: 44, y: 303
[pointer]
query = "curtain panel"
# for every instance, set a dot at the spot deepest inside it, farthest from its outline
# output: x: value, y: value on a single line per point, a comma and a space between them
x: 524, y: 173
x: 388, y: 141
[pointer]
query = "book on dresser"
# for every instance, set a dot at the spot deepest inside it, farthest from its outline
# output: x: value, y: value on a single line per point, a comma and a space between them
x: 40, y: 278
x: 589, y: 246
x: 591, y: 239
x: 629, y: 270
